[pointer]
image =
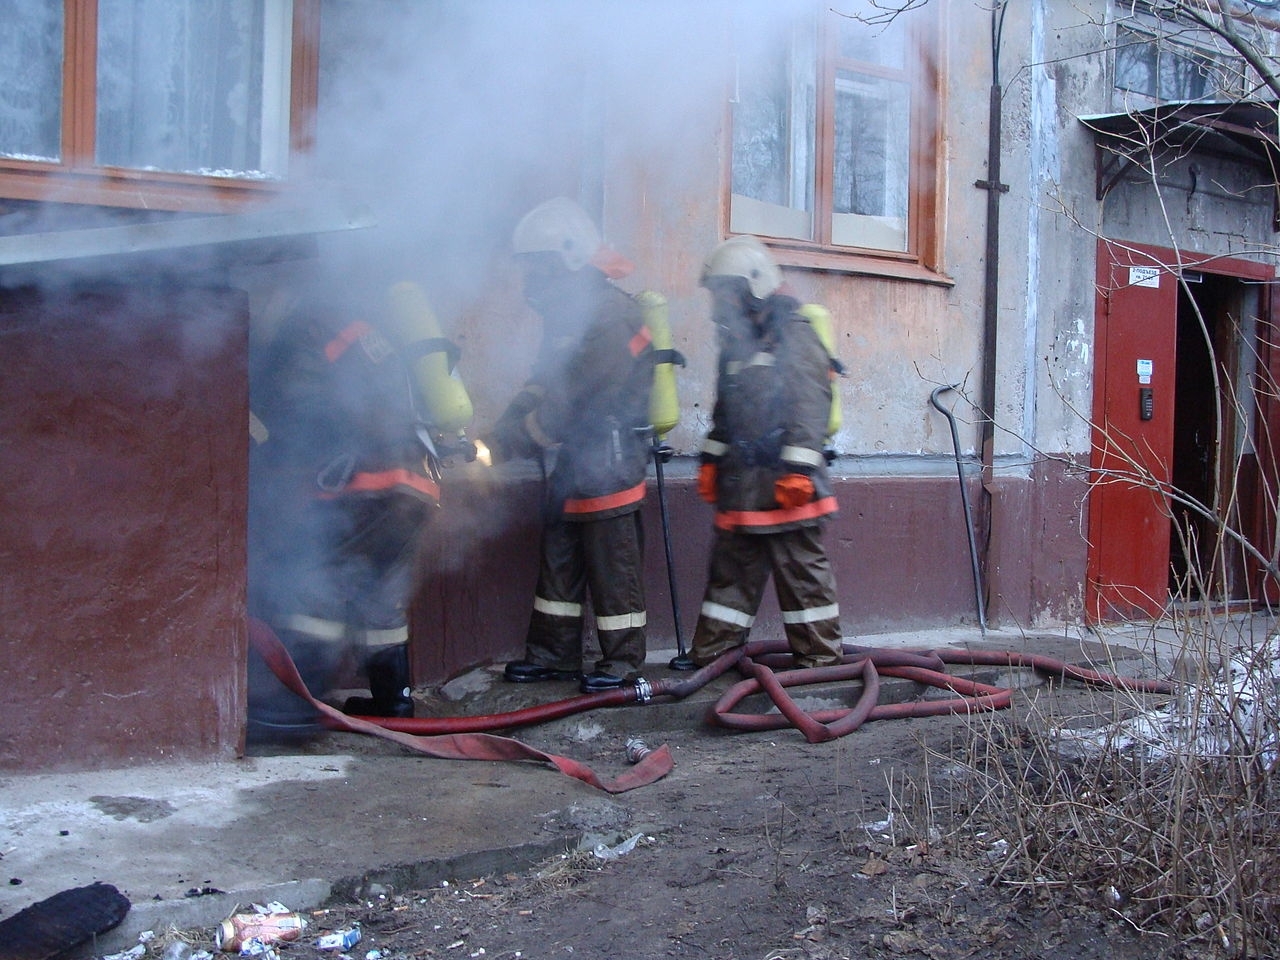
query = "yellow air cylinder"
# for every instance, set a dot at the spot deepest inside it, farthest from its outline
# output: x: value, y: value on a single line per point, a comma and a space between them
x: 664, y: 403
x: 820, y: 319
x: 415, y: 326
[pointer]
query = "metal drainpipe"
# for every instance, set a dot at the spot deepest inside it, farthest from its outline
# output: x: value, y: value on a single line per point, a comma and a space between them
x: 991, y: 284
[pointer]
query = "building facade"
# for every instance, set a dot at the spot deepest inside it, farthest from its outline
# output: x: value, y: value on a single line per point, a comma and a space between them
x: 1050, y: 226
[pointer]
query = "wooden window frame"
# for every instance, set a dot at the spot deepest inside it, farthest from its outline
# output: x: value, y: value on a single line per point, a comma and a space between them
x: 922, y: 261
x: 75, y: 178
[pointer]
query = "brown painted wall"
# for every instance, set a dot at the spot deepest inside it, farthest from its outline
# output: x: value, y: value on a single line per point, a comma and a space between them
x: 122, y: 503
x: 899, y: 545
x: 1036, y: 567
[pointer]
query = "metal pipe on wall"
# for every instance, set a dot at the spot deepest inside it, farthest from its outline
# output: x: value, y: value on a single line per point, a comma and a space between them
x: 991, y: 281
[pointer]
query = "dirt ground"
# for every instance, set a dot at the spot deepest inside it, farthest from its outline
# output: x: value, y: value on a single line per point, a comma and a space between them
x: 763, y: 846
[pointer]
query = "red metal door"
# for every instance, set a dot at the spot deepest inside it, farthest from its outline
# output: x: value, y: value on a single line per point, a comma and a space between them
x: 1135, y: 343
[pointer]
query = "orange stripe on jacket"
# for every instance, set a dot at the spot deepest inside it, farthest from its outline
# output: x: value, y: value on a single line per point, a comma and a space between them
x: 732, y: 519
x: 609, y: 501
x: 345, y: 338
x: 388, y: 480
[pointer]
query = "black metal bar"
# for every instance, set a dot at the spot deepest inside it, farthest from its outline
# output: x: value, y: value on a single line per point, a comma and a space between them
x: 968, y: 514
x: 661, y: 453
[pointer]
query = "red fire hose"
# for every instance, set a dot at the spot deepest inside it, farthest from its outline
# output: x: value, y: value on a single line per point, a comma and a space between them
x: 463, y: 737
x: 923, y: 667
x: 453, y: 745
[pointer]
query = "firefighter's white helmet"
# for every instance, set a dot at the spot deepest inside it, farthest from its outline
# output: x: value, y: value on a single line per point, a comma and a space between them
x: 744, y: 257
x: 558, y: 226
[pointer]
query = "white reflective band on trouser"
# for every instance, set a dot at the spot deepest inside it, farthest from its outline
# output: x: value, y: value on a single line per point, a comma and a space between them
x: 557, y: 608
x: 622, y: 621
x: 315, y: 627
x: 714, y: 448
x: 718, y: 611
x: 802, y: 455
x: 761, y: 359
x: 391, y: 637
x: 257, y: 429
x: 813, y: 615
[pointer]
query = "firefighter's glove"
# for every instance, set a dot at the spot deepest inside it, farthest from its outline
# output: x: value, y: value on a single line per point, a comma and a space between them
x: 707, y: 482
x: 793, y: 490
x: 509, y: 440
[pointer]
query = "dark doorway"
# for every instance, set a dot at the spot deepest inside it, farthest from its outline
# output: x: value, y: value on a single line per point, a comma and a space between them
x: 1214, y: 463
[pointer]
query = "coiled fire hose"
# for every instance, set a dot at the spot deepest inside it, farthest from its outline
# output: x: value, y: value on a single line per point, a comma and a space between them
x: 464, y: 738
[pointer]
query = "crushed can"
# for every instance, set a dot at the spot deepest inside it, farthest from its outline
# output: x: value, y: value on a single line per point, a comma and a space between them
x: 266, y: 928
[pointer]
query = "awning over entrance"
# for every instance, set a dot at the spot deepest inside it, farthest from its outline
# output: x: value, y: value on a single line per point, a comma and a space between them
x: 1244, y: 131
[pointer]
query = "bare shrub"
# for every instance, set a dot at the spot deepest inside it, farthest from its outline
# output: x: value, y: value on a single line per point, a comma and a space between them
x: 1177, y: 836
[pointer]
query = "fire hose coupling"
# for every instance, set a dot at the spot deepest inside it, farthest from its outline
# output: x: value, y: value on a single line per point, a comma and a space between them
x: 644, y: 690
x: 636, y: 750
x: 460, y: 445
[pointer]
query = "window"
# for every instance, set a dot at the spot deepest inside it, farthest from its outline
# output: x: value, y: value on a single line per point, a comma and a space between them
x: 1160, y: 72
x: 31, y: 55
x: 835, y: 138
x: 149, y: 102
x: 1152, y: 70
x: 1159, y: 59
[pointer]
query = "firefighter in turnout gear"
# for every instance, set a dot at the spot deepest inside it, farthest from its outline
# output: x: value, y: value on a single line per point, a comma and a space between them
x: 584, y: 413
x: 762, y: 464
x: 351, y: 416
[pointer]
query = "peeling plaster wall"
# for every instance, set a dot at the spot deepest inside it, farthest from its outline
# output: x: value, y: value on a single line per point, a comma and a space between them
x: 1206, y: 206
x: 1056, y: 68
x: 1053, y: 68
x: 899, y: 338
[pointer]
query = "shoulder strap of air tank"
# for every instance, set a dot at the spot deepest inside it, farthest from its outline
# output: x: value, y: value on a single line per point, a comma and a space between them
x: 647, y: 300
x: 429, y: 345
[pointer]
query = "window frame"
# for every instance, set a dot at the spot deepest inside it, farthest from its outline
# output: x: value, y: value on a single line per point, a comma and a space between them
x: 76, y: 178
x: 925, y: 72
x: 1131, y: 38
x: 1176, y: 37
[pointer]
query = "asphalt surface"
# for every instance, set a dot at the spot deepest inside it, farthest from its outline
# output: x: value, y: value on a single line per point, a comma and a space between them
x: 189, y: 843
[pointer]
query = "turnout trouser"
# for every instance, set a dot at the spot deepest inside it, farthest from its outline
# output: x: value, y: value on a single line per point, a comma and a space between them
x: 336, y: 579
x: 803, y: 578
x: 603, y: 559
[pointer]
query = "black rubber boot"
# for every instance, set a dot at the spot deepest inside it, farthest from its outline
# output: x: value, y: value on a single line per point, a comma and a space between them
x: 389, y: 684
x: 276, y: 714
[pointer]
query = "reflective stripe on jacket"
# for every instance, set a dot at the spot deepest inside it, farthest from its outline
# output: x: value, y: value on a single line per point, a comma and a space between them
x: 611, y: 501
x: 339, y: 410
x: 389, y: 481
